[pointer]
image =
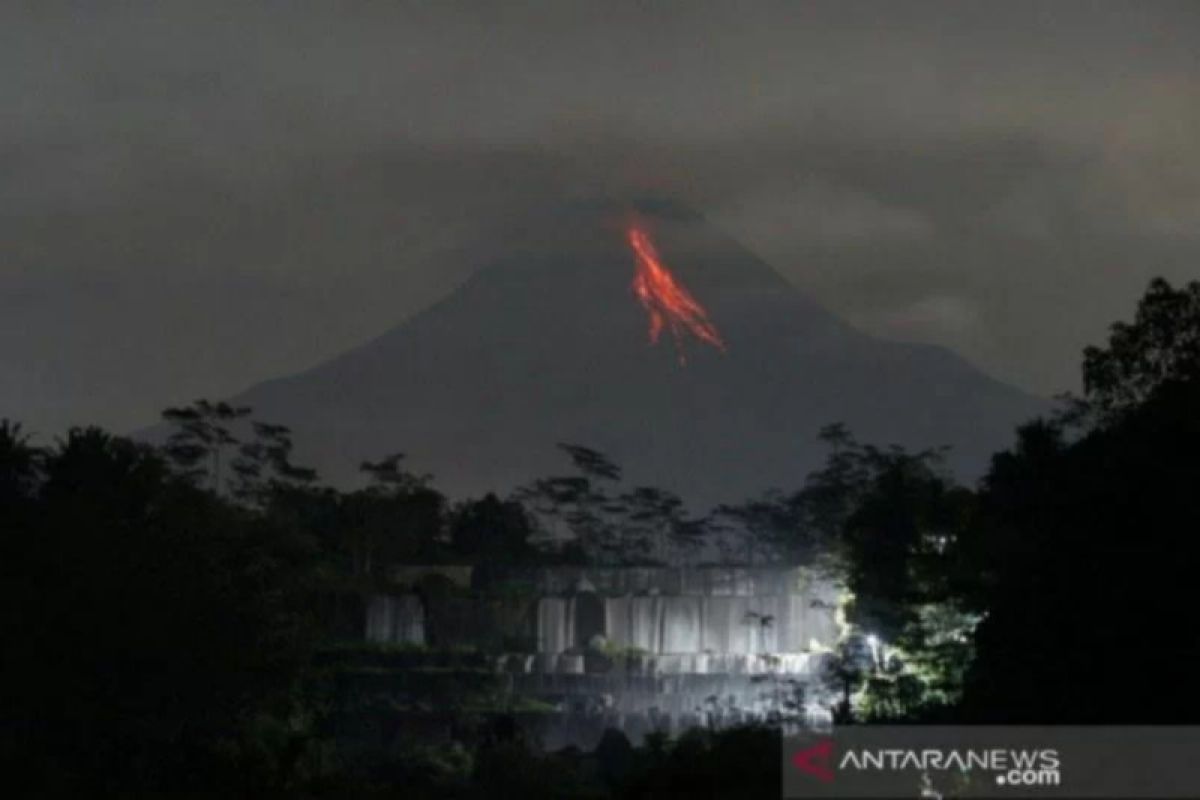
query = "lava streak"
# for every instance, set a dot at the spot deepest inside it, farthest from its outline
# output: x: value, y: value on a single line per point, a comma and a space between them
x: 666, y: 301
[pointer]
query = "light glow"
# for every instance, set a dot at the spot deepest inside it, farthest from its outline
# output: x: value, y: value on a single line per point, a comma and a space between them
x: 668, y: 304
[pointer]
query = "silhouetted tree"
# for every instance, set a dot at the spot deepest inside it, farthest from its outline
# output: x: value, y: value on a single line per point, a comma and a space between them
x: 1081, y: 546
x: 203, y: 433
x: 155, y: 621
x: 591, y: 463
x: 398, y: 518
x: 651, y: 521
x: 491, y: 530
x: 20, y: 470
x: 763, y: 528
x: 388, y: 475
x: 264, y: 466
x: 893, y: 524
x: 582, y: 504
x: 1159, y: 349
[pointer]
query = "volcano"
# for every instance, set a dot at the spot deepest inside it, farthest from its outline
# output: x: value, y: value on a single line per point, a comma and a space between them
x: 551, y: 342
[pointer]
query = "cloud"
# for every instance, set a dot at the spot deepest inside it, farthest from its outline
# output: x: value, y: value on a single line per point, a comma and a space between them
x: 224, y: 191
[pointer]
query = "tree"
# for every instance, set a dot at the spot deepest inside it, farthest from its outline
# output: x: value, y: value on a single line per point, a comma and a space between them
x: 690, y: 537
x: 653, y: 522
x: 582, y: 504
x: 389, y: 476
x: 592, y: 463
x: 904, y: 521
x: 202, y: 436
x: 263, y: 469
x: 843, y: 672
x: 1082, y: 540
x: 1160, y: 348
x: 20, y: 470
x: 833, y: 492
x: 763, y: 527
x: 398, y: 518
x: 148, y: 622
x: 895, y: 524
x: 491, y: 530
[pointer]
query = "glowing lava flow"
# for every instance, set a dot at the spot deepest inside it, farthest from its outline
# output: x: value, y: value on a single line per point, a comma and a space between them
x: 668, y: 304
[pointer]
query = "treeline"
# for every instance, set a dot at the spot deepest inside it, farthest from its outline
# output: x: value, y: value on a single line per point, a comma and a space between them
x: 1057, y: 590
x: 588, y: 515
x: 162, y: 604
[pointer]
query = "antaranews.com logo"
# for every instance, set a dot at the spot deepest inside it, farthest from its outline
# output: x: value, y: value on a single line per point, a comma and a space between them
x: 994, y: 761
x: 1024, y: 767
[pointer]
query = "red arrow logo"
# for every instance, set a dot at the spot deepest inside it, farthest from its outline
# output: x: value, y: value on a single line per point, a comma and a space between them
x: 815, y: 760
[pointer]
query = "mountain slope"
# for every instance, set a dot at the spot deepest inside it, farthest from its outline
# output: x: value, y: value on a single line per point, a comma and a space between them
x: 548, y: 344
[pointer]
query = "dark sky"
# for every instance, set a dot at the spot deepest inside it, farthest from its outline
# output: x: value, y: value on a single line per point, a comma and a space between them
x: 196, y: 196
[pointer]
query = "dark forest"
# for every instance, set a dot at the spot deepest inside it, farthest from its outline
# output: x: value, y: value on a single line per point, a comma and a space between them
x: 188, y: 616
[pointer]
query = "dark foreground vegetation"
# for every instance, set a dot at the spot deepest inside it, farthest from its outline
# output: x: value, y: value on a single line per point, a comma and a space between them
x: 179, y: 617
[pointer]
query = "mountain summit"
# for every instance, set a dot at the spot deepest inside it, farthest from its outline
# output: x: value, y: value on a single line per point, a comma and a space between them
x: 557, y: 340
